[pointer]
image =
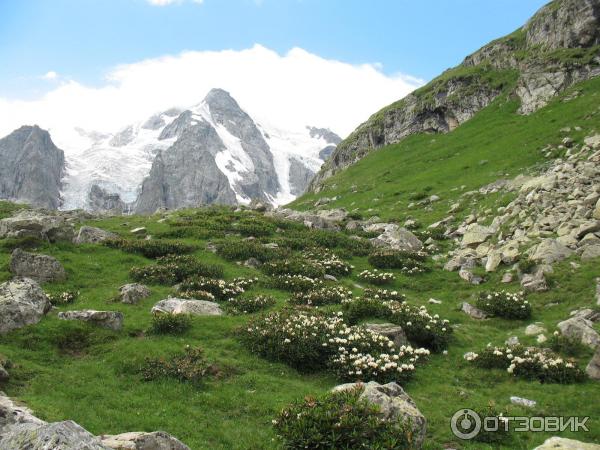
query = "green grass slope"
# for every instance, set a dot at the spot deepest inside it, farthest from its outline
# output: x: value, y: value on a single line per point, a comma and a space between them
x: 497, y: 143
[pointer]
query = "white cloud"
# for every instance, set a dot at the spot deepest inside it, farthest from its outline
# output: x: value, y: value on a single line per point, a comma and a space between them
x: 51, y: 75
x: 291, y: 90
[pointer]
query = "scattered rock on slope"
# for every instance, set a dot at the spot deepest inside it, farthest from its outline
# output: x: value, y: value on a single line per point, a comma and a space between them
x: 37, y: 224
x: 92, y: 235
x: 158, y: 440
x: 22, y: 303
x: 184, y: 306
x: 133, y: 293
x: 41, y: 268
x: 112, y: 320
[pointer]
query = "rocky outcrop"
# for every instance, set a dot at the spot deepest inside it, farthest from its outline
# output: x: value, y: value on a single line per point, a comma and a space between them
x: 93, y: 235
x: 31, y: 168
x: 395, y: 405
x: 300, y: 176
x: 22, y: 303
x: 554, y: 50
x: 158, y: 440
x: 113, y: 320
x: 133, y: 293
x: 560, y: 443
x: 580, y: 329
x: 184, y: 306
x: 38, y: 224
x: 593, y: 368
x: 102, y: 201
x: 41, y: 268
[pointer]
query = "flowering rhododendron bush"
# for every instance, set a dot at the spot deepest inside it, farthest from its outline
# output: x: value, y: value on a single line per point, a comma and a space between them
x: 376, y: 277
x: 329, y: 295
x: 510, y: 305
x: 409, y: 263
x: 529, y: 363
x: 312, y: 341
x: 196, y: 288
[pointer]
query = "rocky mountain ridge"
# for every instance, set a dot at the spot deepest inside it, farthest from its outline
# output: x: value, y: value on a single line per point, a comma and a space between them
x: 555, y: 49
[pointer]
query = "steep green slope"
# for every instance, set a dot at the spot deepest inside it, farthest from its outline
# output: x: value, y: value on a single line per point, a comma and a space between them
x: 497, y: 143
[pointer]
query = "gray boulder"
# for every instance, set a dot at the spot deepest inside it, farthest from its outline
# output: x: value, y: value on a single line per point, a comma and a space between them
x: 92, y: 235
x: 590, y: 252
x: 12, y: 414
x: 158, y: 440
x: 593, y: 368
x: 41, y: 268
x: 398, y: 239
x: 65, y: 435
x: 474, y: 312
x: 394, y: 404
x: 560, y: 443
x: 37, y: 224
x: 393, y: 332
x: 534, y: 282
x: 580, y: 329
x: 22, y: 303
x: 112, y: 320
x: 133, y: 293
x: 549, y: 251
x: 184, y: 306
x: 475, y: 235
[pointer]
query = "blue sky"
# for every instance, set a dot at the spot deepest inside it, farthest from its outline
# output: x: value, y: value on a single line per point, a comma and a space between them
x: 103, y: 64
x: 84, y: 38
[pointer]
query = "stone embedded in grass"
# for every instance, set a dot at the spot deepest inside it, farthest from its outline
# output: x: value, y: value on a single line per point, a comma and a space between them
x: 549, y: 251
x: 22, y: 303
x: 522, y: 402
x: 65, y: 435
x: 534, y: 329
x: 185, y: 306
x: 93, y: 235
x: 139, y: 231
x: 593, y: 368
x: 580, y: 329
x: 393, y: 332
x: 41, y: 268
x: 560, y: 443
x: 113, y: 320
x: 132, y: 293
x: 394, y: 404
x: 475, y: 313
x: 158, y: 440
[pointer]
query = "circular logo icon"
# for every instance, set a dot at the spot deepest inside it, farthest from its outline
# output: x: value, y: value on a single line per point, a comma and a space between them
x: 465, y: 424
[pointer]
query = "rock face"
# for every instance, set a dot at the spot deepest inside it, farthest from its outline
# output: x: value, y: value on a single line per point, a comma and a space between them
x: 158, y: 440
x: 593, y: 368
x: 37, y: 224
x: 31, y: 168
x: 133, y: 293
x: 41, y: 268
x: 394, y: 404
x: 113, y: 320
x: 92, y: 235
x: 559, y: 443
x: 580, y: 329
x: 22, y: 303
x: 550, y: 251
x: 100, y: 200
x: 456, y: 96
x: 183, y: 306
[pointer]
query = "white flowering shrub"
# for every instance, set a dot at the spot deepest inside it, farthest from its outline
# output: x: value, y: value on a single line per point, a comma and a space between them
x: 421, y: 328
x: 294, y: 266
x: 295, y: 283
x: 376, y: 277
x: 528, y: 363
x: 510, y: 305
x: 331, y: 264
x: 220, y: 289
x: 249, y: 305
x: 328, y: 295
x: 384, y: 294
x: 409, y: 263
x: 311, y: 341
x: 63, y: 298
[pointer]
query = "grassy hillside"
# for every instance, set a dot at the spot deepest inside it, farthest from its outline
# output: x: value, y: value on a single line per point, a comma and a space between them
x: 65, y: 370
x: 497, y: 143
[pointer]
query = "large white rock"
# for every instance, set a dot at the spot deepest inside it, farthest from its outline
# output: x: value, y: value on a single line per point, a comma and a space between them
x: 31, y: 223
x: 22, y: 303
x: 475, y: 235
x: 41, y: 268
x: 112, y: 320
x: 558, y: 443
x: 65, y: 435
x: 549, y: 251
x: 92, y: 235
x: 157, y: 440
x: 185, y: 306
x: 394, y: 404
x: 398, y: 239
x: 580, y: 329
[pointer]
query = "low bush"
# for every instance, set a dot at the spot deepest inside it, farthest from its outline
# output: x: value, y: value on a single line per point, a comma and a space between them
x: 323, y: 296
x: 504, y: 304
x: 294, y: 266
x: 191, y: 366
x: 249, y: 305
x: 241, y: 250
x: 384, y: 295
x: 153, y: 248
x: 294, y: 283
x: 339, y: 420
x: 408, y: 262
x: 254, y: 227
x: 330, y: 263
x: 221, y: 290
x: 566, y: 345
x: 63, y: 298
x: 170, y: 324
x: 376, y: 277
x: 170, y: 270
x: 495, y: 357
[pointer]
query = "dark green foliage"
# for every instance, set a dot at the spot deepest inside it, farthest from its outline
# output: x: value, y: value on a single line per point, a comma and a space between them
x: 170, y: 270
x: 241, y: 250
x: 295, y: 266
x: 566, y: 345
x: 24, y: 243
x: 504, y: 304
x: 191, y: 367
x: 338, y: 421
x: 170, y: 324
x: 395, y: 259
x: 152, y: 248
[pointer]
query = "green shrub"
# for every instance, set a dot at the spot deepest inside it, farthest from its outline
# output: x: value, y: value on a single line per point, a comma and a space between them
x: 496, y: 357
x: 376, y: 277
x: 566, y: 345
x: 220, y: 289
x: 294, y: 283
x: 249, y: 305
x: 501, y: 435
x: 527, y: 265
x: 294, y: 266
x: 324, y: 296
x: 63, y: 298
x: 254, y: 227
x: 170, y: 324
x: 170, y: 270
x: 241, y: 250
x: 504, y: 304
x: 338, y: 420
x: 24, y: 243
x: 191, y: 366
x: 153, y: 248
x: 408, y: 262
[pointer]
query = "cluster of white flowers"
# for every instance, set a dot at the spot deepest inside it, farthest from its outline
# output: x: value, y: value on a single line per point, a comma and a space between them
x: 376, y: 277
x: 63, y: 298
x: 219, y: 289
x: 540, y: 360
x: 331, y: 263
x: 248, y: 305
x: 511, y: 305
x: 296, y: 283
x: 384, y: 295
x: 323, y: 296
x: 416, y: 316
